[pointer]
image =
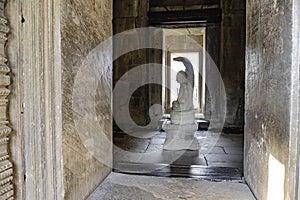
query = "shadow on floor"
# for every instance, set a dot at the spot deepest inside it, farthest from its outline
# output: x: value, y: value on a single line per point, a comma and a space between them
x: 220, y: 156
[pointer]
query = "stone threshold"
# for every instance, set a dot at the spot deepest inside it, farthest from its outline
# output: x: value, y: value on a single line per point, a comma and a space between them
x: 177, y: 171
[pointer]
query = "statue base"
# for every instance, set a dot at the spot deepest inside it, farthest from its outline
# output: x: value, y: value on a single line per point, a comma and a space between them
x: 181, y: 137
x: 183, y: 117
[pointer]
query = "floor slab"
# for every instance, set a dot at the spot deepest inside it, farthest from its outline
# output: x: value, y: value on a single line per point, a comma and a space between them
x: 223, y: 150
x: 132, y: 187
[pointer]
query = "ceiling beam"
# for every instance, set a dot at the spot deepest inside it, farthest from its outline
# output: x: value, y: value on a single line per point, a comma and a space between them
x: 185, y: 17
x: 158, y: 3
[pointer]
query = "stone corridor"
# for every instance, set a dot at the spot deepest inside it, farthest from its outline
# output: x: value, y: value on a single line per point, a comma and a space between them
x: 59, y: 75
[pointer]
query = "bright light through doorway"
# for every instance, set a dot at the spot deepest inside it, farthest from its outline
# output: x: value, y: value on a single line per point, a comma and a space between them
x: 189, y: 43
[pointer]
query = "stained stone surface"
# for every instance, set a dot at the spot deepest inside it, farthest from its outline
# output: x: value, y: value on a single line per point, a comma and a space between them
x: 131, y: 14
x: 232, y: 66
x: 84, y: 25
x: 272, y: 97
x: 129, y: 187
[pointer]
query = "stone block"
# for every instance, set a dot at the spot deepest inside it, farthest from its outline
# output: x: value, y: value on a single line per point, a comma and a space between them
x: 126, y: 8
x: 123, y: 24
x: 211, y: 150
x: 154, y: 148
x: 234, y: 150
x: 84, y: 25
x: 224, y: 158
x: 180, y: 137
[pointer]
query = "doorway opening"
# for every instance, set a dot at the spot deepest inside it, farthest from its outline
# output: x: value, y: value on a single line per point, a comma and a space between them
x: 218, y: 157
x: 174, y: 85
x: 203, y: 24
x: 176, y: 46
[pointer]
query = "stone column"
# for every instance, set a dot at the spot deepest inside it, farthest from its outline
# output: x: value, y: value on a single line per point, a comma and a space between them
x: 36, y: 111
x: 6, y: 167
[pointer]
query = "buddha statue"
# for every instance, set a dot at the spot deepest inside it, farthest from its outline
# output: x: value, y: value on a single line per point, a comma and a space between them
x: 183, y: 108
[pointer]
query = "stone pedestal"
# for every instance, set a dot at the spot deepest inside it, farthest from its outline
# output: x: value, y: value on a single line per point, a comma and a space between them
x: 182, y: 117
x: 180, y: 137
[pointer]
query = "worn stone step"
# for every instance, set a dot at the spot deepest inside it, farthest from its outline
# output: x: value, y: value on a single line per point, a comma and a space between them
x: 193, y: 171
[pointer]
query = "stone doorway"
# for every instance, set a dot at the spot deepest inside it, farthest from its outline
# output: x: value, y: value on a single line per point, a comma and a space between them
x: 175, y: 46
x: 213, y: 34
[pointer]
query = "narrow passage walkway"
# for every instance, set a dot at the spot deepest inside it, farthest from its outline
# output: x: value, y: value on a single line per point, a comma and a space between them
x: 215, y: 150
x: 220, y: 157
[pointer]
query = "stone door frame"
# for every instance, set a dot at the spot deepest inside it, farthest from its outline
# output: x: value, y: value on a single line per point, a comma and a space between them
x: 35, y: 108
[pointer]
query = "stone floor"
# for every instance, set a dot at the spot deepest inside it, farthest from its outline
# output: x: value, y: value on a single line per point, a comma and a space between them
x: 131, y: 187
x: 215, y: 150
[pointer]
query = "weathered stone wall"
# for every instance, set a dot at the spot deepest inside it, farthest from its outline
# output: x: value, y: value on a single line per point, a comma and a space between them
x: 213, y: 49
x: 131, y: 14
x: 232, y: 61
x: 6, y: 166
x: 85, y: 24
x: 35, y: 110
x: 272, y: 97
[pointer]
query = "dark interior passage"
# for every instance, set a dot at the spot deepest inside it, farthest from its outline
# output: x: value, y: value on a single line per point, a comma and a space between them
x: 52, y: 150
x: 223, y: 39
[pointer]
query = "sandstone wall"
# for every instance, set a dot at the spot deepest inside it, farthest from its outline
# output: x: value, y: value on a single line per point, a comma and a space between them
x: 272, y: 98
x: 131, y: 14
x: 232, y: 60
x: 48, y: 42
x: 85, y: 24
x: 213, y: 49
